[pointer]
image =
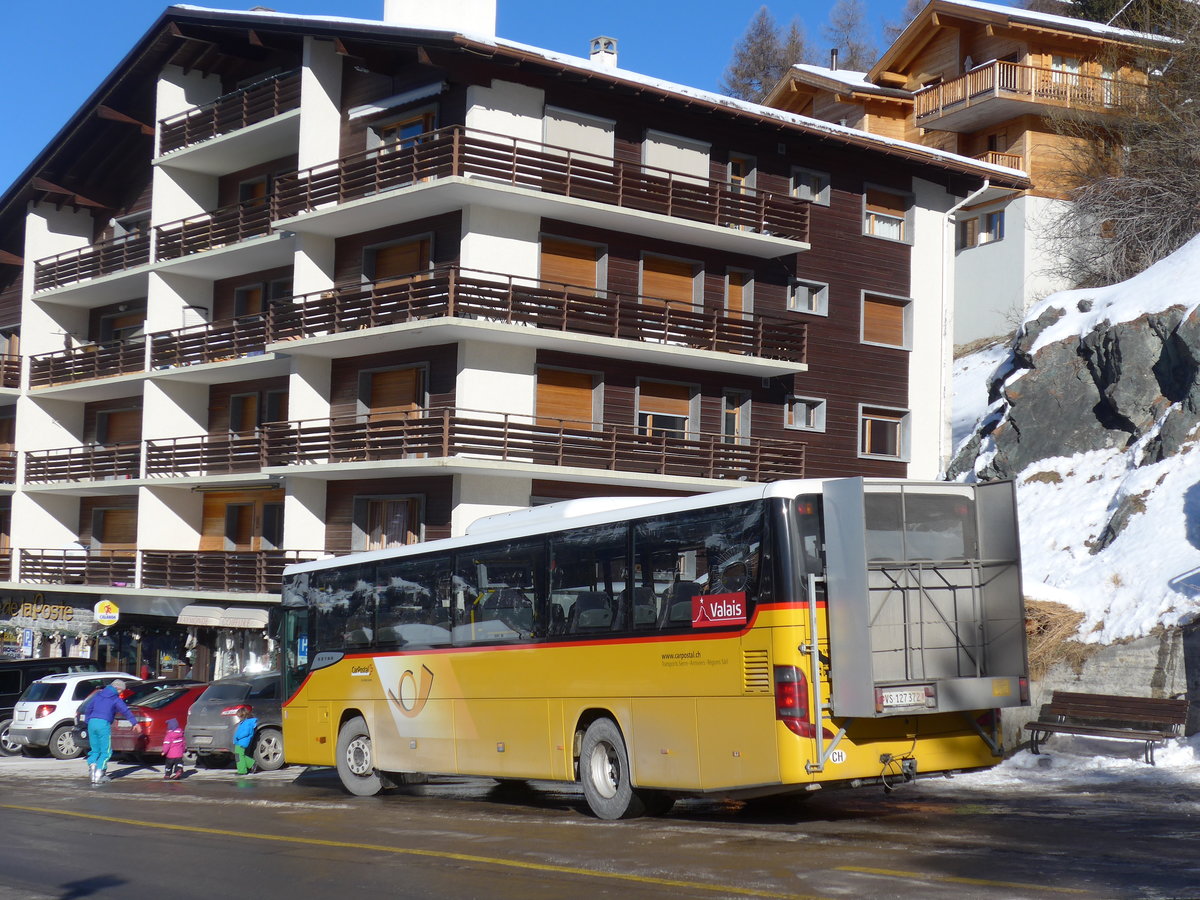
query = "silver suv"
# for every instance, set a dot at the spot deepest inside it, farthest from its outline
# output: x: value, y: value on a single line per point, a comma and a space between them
x: 44, y: 716
x: 210, y: 725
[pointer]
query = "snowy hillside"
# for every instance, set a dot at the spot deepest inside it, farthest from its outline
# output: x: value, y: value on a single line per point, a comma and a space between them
x: 1149, y: 573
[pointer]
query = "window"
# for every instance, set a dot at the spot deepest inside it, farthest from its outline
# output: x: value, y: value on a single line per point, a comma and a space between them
x: 968, y: 233
x: 253, y: 299
x: 805, y: 414
x: 119, y: 426
x: 811, y: 186
x: 685, y: 159
x: 808, y: 297
x: 565, y: 398
x: 886, y: 320
x: 993, y: 227
x: 243, y: 414
x: 392, y: 393
x: 128, y: 325
x: 735, y: 416
x: 983, y: 229
x: 239, y: 526
x: 401, y: 132
x: 664, y: 409
x: 739, y: 292
x: 114, y: 529
x: 669, y: 282
x: 572, y: 263
x: 588, y: 589
x: 883, y: 432
x: 497, y: 587
x: 885, y: 214
x: 382, y: 522
x: 391, y: 264
x: 272, y: 526
x: 741, y: 173
x: 255, y: 191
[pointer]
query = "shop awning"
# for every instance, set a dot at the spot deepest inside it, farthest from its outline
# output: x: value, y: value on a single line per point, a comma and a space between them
x: 201, y: 614
x: 240, y: 617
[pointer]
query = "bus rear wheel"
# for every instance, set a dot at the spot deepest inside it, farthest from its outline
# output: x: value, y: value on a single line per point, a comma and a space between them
x: 604, y: 773
x: 356, y: 759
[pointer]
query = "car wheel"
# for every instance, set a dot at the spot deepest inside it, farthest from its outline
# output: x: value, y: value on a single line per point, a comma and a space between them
x: 63, y: 744
x: 8, y: 747
x: 268, y: 750
x: 604, y: 772
x: 356, y: 759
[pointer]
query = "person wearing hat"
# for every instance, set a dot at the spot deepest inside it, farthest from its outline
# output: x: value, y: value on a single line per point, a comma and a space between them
x: 98, y: 711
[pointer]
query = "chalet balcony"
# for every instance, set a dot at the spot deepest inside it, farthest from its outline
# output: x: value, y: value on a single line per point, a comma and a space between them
x: 93, y: 462
x: 1003, y: 90
x: 447, y: 433
x: 209, y: 343
x: 995, y: 158
x: 239, y: 109
x: 10, y: 371
x: 102, y: 258
x: 87, y: 362
x: 455, y: 293
x: 252, y: 571
x: 228, y: 225
x: 8, y: 466
x: 111, y: 568
x: 204, y: 455
x: 498, y: 164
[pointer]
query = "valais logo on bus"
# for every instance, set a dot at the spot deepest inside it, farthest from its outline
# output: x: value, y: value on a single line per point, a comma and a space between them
x: 710, y: 610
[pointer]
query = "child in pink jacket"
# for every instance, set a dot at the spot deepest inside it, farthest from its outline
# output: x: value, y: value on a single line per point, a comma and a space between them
x: 173, y: 747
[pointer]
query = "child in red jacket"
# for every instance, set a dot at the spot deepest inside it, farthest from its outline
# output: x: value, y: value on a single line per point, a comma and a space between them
x: 172, y: 748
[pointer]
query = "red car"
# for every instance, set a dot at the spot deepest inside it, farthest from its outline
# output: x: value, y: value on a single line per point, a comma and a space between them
x: 153, y: 713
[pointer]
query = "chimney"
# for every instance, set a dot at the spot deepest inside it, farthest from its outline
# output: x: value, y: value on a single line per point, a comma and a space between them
x: 471, y: 17
x: 604, y: 51
x: 833, y: 59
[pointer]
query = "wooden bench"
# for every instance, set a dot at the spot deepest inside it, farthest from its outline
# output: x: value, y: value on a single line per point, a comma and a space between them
x: 1150, y: 719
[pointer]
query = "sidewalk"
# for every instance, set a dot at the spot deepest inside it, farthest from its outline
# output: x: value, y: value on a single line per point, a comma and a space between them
x: 121, y: 769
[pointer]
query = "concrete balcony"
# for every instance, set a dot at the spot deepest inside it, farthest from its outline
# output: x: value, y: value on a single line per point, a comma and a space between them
x: 1000, y: 91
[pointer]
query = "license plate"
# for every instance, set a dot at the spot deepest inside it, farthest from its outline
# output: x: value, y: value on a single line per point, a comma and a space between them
x: 894, y: 698
x: 22, y: 715
x: 122, y: 724
x: 203, y: 740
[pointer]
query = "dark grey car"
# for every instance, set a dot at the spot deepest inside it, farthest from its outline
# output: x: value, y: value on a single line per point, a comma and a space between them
x: 210, y: 725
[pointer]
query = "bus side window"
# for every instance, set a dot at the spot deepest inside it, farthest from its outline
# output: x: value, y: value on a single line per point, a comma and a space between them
x: 588, y: 574
x: 502, y: 592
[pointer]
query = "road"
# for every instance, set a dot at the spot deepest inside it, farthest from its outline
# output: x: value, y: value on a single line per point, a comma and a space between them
x: 294, y: 834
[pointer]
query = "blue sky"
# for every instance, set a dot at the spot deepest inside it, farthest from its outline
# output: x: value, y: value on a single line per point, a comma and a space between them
x: 58, y: 51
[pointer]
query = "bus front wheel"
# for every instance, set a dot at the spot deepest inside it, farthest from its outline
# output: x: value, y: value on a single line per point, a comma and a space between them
x: 356, y: 759
x: 604, y: 772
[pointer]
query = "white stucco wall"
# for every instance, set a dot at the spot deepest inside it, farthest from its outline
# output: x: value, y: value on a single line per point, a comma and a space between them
x: 496, y: 240
x: 308, y: 388
x: 496, y: 378
x: 178, y: 91
x: 174, y: 409
x: 989, y: 282
x: 304, y: 513
x: 177, y: 301
x: 476, y: 496
x: 169, y: 518
x: 320, y: 96
x: 47, y: 521
x: 50, y: 231
x: 1042, y: 275
x: 506, y: 108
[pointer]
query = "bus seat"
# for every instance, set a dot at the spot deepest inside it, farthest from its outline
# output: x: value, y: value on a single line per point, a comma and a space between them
x: 592, y: 611
x: 677, y: 603
x: 510, y: 606
x: 645, y: 607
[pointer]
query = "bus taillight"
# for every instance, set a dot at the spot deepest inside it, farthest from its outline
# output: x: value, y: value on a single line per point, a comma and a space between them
x: 1023, y: 687
x: 791, y: 701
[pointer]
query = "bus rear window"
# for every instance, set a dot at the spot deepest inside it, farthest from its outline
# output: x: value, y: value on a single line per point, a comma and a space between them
x: 912, y: 526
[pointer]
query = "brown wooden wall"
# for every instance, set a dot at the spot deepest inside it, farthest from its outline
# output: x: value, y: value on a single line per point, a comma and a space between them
x: 225, y: 288
x: 445, y: 230
x: 437, y: 495
x: 219, y: 394
x: 441, y: 365
x: 92, y: 410
x: 212, y: 529
x: 89, y: 505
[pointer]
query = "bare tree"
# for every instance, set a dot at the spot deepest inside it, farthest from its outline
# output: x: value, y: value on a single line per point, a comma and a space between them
x: 1134, y: 174
x: 846, y: 32
x: 893, y: 29
x: 762, y: 56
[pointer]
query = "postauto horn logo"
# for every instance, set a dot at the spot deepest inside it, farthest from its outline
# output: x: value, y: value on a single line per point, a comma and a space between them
x: 410, y: 696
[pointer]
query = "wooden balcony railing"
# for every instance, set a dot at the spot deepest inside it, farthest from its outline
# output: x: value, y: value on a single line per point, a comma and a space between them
x: 227, y: 225
x: 114, y: 568
x: 254, y: 103
x: 102, y: 258
x: 446, y: 432
x: 1032, y: 83
x: 211, y: 342
x: 89, y: 463
x: 461, y: 293
x: 6, y: 561
x: 257, y: 571
x: 1012, y: 160
x: 10, y: 371
x: 86, y: 362
x: 204, y: 455
x: 457, y: 151
x: 8, y: 466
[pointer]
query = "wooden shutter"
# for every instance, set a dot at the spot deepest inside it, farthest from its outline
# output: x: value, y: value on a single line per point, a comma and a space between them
x: 122, y: 426
x: 887, y: 203
x: 735, y: 300
x: 393, y: 262
x: 657, y: 397
x: 248, y: 301
x: 118, y: 529
x: 243, y: 413
x: 397, y: 392
x: 569, y: 262
x: 668, y: 282
x: 564, y: 395
x: 883, y: 320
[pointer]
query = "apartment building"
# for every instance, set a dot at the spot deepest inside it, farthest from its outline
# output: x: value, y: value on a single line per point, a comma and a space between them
x: 987, y: 81
x: 287, y: 287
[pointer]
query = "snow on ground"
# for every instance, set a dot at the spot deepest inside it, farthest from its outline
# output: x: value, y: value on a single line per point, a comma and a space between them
x: 1150, y: 575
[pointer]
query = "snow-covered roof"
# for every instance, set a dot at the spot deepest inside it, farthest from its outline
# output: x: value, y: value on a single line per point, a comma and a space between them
x: 1066, y: 23
x: 854, y: 81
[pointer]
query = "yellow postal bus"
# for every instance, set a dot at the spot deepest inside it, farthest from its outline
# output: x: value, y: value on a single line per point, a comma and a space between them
x: 745, y: 643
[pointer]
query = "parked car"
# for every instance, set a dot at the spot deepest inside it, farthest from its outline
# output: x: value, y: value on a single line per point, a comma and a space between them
x: 153, y: 712
x: 210, y: 725
x: 141, y: 691
x: 16, y: 675
x: 44, y: 716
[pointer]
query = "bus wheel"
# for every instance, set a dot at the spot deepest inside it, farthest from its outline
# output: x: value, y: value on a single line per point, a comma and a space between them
x: 356, y: 759
x: 604, y: 772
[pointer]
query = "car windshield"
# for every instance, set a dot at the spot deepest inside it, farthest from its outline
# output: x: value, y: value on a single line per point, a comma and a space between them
x: 43, y: 690
x: 162, y: 698
x: 224, y: 692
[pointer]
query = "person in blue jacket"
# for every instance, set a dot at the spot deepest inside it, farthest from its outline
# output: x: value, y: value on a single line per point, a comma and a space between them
x: 243, y: 737
x: 98, y: 711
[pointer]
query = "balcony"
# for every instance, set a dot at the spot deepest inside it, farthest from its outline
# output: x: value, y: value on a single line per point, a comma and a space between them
x: 102, y: 258
x: 1002, y: 90
x: 649, y: 328
x: 453, y: 166
x: 204, y: 455
x: 232, y: 112
x: 111, y: 568
x: 228, y: 225
x: 8, y: 466
x: 10, y: 371
x: 87, y: 362
x: 93, y: 462
x: 212, y: 342
x: 995, y: 158
x: 445, y: 433
x: 253, y: 571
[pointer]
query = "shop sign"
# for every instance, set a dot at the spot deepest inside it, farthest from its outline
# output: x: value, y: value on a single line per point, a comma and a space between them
x: 37, y: 614
x: 107, y: 613
x: 27, y: 644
